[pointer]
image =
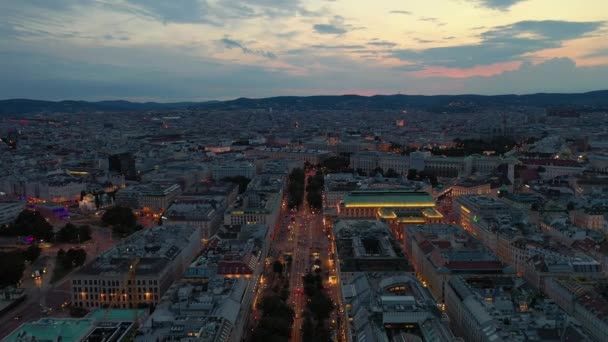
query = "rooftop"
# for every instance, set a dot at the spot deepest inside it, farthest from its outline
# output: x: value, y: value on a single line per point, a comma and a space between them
x: 382, y: 304
x: 388, y: 198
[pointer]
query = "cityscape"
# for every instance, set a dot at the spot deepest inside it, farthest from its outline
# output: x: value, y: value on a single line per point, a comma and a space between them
x: 387, y: 175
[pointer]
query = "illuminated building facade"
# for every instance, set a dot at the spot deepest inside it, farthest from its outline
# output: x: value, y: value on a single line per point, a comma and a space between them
x: 162, y: 254
x: 388, y: 204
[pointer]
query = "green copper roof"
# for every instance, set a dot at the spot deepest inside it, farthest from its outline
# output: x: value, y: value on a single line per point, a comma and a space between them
x: 116, y: 315
x: 388, y: 199
x: 50, y: 329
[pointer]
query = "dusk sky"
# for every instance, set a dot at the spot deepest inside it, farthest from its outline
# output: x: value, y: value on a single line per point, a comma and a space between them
x: 182, y: 50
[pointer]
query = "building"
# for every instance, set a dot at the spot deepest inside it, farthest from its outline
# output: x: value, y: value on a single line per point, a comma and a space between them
x: 193, y: 312
x: 107, y: 325
x: 254, y: 208
x: 9, y: 210
x: 450, y: 167
x: 368, y: 204
x: 590, y: 218
x: 311, y: 156
x: 391, y: 306
x: 370, y: 160
x: 153, y: 197
x: 366, y: 246
x: 213, y: 300
x: 440, y: 252
x: 582, y: 300
x: 123, y: 163
x: 552, y: 168
x: 206, y: 216
x: 160, y: 255
x: 471, y: 209
x: 490, y: 309
x: 470, y: 187
x: 233, y: 169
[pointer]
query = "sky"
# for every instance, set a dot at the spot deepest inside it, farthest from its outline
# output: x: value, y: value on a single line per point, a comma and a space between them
x: 196, y: 50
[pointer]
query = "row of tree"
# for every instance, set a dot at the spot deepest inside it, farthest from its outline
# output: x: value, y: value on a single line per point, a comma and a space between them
x: 241, y: 181
x: 295, y: 188
x: 414, y: 174
x: 276, y: 322
x: 314, y: 195
x: 71, y: 258
x: 319, y: 307
x: 29, y: 223
x: 32, y: 223
x: 12, y: 265
x: 122, y: 220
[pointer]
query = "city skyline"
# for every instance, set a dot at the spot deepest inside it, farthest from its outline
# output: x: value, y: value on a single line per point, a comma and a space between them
x: 216, y: 50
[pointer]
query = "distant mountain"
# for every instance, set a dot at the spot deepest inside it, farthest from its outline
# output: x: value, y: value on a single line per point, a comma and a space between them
x: 22, y: 106
x: 438, y: 103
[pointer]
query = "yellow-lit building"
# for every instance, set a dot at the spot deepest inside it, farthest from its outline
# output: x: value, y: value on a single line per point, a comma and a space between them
x: 395, y: 207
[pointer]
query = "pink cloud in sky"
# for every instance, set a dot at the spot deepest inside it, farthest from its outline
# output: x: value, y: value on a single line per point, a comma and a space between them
x: 481, y: 70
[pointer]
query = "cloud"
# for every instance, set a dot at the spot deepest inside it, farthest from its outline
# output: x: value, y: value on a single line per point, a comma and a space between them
x: 235, y: 44
x: 429, y: 19
x: 501, y: 5
x: 329, y: 29
x: 400, y: 12
x: 336, y: 26
x: 217, y: 12
x: 382, y: 43
x: 287, y: 35
x: 597, y: 53
x: 183, y: 11
x: 501, y: 44
x: 541, y: 30
x: 337, y: 47
x: 555, y: 75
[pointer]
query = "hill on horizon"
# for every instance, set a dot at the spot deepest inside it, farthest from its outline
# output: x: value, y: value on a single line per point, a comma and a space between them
x: 435, y: 103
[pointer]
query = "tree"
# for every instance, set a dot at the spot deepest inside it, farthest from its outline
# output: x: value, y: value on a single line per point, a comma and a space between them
x: 32, y: 253
x: 77, y: 255
x: 391, y: 173
x: 68, y: 233
x: 308, y: 329
x: 12, y: 265
x: 119, y: 216
x: 570, y: 206
x: 378, y: 170
x: 284, y: 294
x: 335, y: 164
x: 73, y: 234
x: 277, y: 267
x: 30, y: 223
x: 74, y: 257
x: 295, y: 188
x: 242, y: 182
x: 412, y: 174
x: 320, y: 305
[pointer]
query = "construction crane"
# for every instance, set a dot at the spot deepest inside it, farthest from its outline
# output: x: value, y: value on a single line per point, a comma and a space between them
x: 128, y: 290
